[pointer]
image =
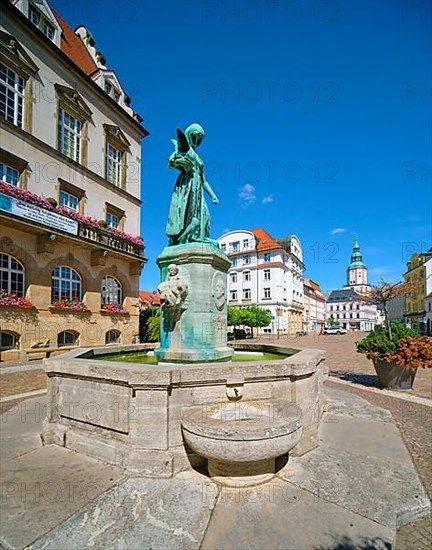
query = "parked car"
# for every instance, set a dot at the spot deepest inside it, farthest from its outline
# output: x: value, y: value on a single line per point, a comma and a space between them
x: 239, y: 334
x: 335, y: 330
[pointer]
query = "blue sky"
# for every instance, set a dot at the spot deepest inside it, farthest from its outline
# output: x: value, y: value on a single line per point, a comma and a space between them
x: 317, y: 118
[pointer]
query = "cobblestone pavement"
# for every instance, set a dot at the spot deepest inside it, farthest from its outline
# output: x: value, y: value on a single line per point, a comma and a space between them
x: 345, y: 363
x: 22, y: 382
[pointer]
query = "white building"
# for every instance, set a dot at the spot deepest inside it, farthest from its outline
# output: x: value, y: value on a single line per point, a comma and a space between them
x: 396, y: 309
x: 268, y: 273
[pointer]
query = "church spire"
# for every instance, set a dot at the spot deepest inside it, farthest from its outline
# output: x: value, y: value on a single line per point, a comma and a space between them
x: 356, y: 257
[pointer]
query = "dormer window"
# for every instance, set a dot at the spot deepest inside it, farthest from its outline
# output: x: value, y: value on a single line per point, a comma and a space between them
x: 116, y: 96
x: 34, y: 16
x: 108, y: 88
x: 49, y: 31
x: 41, y: 22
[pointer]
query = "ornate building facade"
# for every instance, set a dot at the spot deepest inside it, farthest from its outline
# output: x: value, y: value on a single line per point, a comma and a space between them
x: 347, y: 306
x: 70, y: 251
x: 268, y: 273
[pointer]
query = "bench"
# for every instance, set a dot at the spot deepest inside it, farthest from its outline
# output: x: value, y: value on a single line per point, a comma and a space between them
x: 24, y: 354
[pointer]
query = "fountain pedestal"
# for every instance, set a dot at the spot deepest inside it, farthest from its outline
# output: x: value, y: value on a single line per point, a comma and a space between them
x: 193, y: 293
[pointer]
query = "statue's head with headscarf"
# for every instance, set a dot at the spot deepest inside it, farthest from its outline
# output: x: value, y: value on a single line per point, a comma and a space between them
x: 194, y: 134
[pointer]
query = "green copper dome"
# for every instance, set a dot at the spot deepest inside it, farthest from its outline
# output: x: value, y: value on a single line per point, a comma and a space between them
x: 356, y: 258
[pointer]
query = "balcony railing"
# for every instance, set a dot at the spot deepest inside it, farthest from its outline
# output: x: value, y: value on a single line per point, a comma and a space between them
x: 107, y: 238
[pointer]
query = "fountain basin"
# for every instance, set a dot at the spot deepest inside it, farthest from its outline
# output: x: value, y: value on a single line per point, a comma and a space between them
x: 241, y: 440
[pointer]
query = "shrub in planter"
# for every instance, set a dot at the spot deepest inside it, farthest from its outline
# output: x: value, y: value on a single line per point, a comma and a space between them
x: 397, y: 358
x: 103, y: 224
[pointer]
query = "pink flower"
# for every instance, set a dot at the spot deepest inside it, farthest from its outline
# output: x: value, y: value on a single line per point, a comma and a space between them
x: 11, y: 300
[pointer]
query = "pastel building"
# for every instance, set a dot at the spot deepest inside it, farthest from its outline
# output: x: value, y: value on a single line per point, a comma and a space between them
x: 70, y: 155
x: 348, y: 305
x: 266, y: 272
x: 314, y: 307
x: 418, y: 314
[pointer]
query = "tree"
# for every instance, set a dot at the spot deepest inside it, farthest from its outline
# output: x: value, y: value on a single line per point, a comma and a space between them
x: 153, y: 328
x: 257, y: 316
x: 332, y: 322
x: 145, y: 315
x: 384, y: 291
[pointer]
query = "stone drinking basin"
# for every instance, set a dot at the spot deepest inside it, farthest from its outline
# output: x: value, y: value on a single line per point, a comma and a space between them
x: 241, y: 440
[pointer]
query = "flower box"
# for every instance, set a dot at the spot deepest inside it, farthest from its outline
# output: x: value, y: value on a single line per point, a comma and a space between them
x: 114, y: 309
x: 69, y: 306
x: 11, y: 300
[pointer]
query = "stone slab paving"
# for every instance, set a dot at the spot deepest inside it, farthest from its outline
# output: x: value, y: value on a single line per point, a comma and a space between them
x: 143, y: 514
x: 279, y: 515
x: 12, y: 383
x: 42, y: 488
x: 348, y: 494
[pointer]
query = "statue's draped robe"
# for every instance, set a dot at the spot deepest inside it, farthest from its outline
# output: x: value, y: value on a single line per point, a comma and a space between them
x: 188, y: 201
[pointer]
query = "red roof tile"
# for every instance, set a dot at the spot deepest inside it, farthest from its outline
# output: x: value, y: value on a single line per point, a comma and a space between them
x: 72, y: 45
x: 264, y: 241
x: 149, y: 298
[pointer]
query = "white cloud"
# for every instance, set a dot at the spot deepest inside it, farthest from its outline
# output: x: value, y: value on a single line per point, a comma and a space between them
x: 337, y: 231
x: 247, y: 194
x: 267, y: 199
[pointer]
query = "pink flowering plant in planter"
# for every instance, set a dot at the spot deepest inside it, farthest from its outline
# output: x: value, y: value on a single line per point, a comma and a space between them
x: 10, y: 299
x: 24, y: 195
x: 126, y: 237
x: 73, y: 305
x: 114, y: 308
x: 85, y: 220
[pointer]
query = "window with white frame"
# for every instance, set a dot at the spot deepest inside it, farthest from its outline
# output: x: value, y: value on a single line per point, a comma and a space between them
x: 246, y: 276
x: 234, y: 262
x: 112, y: 220
x: 69, y: 135
x: 111, y: 291
x: 69, y: 201
x: 267, y: 257
x: 266, y: 274
x: 9, y: 175
x: 49, y: 31
x: 245, y: 243
x: 66, y: 284
x: 223, y: 247
x: 235, y: 246
x: 233, y: 277
x: 246, y: 259
x: 267, y: 293
x: 233, y: 295
x: 34, y: 15
x: 113, y: 161
x: 11, y: 275
x: 246, y: 294
x: 11, y: 96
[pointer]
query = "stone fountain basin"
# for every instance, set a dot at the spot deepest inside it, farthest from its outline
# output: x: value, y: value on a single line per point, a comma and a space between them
x: 242, y: 431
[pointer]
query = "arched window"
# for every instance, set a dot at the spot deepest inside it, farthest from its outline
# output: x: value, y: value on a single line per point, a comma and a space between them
x: 66, y: 284
x: 112, y: 337
x: 11, y: 275
x: 111, y: 291
x: 8, y: 340
x: 67, y: 338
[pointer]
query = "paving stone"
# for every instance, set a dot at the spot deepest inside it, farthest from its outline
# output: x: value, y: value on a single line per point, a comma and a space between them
x: 281, y: 516
x: 389, y: 493
x: 141, y: 513
x: 415, y: 536
x: 343, y: 402
x: 44, y: 487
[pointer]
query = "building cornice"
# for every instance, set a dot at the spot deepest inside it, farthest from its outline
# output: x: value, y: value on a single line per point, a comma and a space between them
x: 38, y: 35
x: 19, y: 132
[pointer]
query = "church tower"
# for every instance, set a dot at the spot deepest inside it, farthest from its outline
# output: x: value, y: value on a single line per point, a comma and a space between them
x: 357, y: 271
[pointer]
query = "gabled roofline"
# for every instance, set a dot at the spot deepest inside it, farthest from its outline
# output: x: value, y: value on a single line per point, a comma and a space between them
x: 47, y: 42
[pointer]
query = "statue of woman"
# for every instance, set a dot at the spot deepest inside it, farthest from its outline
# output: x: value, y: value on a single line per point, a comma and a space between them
x: 189, y: 217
